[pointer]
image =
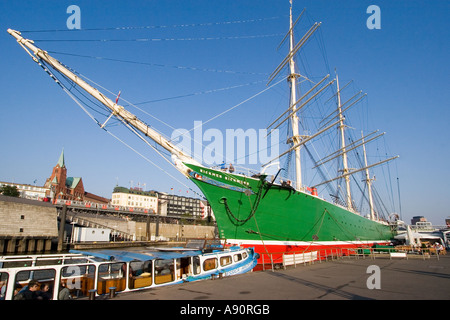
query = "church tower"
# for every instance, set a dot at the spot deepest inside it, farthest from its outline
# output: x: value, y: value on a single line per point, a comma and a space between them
x: 57, y: 181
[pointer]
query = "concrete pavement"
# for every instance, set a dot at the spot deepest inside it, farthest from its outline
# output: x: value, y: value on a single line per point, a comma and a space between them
x: 344, y: 279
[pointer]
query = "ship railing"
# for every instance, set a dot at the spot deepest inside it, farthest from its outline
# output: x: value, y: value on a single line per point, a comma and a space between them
x: 277, y: 260
x: 239, y: 170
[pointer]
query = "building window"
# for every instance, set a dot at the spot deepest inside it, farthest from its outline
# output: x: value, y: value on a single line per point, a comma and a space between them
x: 22, y: 217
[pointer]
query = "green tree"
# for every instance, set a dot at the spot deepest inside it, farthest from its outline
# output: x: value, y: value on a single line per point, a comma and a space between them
x: 10, y: 191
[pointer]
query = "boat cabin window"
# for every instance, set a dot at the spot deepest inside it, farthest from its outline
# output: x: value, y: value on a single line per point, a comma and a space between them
x: 111, y: 275
x: 4, y: 276
x: 224, y: 261
x: 43, y: 276
x: 78, y: 279
x: 140, y: 274
x: 210, y: 264
x: 196, y: 265
x: 237, y: 257
x: 244, y: 255
x: 164, y: 271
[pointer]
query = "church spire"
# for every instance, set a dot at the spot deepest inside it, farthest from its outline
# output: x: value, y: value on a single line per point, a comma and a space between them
x: 61, y: 159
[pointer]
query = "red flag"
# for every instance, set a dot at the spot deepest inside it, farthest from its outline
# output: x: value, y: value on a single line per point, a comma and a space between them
x: 117, y: 99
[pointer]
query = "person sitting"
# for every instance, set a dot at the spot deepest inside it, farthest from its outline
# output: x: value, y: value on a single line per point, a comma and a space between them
x: 45, y: 292
x: 64, y: 294
x: 29, y: 292
x: 3, y: 290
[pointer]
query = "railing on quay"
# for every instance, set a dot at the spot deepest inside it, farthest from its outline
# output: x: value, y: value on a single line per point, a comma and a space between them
x: 277, y: 260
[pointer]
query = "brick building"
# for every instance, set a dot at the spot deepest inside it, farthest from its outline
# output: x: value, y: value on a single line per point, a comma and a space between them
x: 61, y: 186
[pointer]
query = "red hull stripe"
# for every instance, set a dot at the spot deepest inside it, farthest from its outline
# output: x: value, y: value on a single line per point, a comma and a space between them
x: 272, y: 251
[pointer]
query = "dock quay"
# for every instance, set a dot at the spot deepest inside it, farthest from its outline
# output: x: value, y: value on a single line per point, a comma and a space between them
x: 31, y: 226
x: 347, y: 278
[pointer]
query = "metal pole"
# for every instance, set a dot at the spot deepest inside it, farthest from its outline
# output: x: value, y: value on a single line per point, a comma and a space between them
x: 62, y: 225
x: 264, y: 268
x: 112, y: 292
x: 92, y: 294
x: 271, y: 262
x: 147, y: 231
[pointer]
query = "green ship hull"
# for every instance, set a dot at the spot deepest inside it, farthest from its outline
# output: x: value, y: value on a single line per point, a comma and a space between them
x: 273, y: 218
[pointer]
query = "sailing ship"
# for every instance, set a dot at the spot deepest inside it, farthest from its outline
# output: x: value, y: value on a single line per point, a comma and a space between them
x: 258, y: 210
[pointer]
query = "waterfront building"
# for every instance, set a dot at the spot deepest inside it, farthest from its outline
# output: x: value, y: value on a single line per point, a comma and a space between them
x: 416, y: 219
x: 185, y: 206
x: 95, y: 198
x: 162, y: 203
x: 135, y: 198
x: 28, y: 191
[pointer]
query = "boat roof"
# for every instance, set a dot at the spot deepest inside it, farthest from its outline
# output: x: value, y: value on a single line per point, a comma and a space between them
x: 126, y: 256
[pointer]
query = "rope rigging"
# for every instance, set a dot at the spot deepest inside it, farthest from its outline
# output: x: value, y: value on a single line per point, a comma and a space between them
x: 155, y: 26
x: 80, y: 103
x: 162, y: 39
x: 158, y: 64
x: 85, y: 102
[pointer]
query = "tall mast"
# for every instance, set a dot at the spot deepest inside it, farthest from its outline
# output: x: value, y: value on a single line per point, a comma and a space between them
x: 368, y: 181
x: 344, y: 152
x: 294, y: 118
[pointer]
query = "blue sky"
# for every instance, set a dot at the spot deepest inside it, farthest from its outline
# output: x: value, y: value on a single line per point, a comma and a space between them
x: 402, y: 67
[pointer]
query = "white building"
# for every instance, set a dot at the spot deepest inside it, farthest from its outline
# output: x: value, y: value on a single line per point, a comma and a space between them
x: 28, y: 191
x: 82, y: 234
x: 135, y: 198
